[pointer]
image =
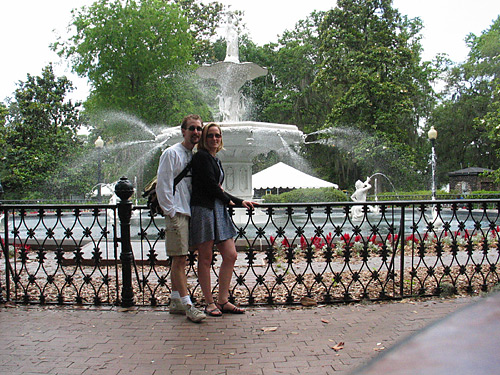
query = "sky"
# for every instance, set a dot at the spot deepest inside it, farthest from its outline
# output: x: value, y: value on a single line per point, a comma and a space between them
x: 28, y: 27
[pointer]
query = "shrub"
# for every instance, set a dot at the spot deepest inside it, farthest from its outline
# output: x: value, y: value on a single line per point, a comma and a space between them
x: 308, y: 196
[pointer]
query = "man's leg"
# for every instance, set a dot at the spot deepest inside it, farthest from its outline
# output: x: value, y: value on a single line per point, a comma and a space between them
x: 179, y: 284
x: 178, y: 275
x: 177, y: 243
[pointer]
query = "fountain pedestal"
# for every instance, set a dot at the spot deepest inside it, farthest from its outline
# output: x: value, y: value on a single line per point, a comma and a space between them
x: 243, y: 141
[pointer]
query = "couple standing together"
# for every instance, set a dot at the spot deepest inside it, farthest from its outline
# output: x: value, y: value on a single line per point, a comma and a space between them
x: 196, y: 215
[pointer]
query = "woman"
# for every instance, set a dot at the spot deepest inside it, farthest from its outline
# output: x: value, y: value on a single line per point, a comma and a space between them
x: 210, y: 221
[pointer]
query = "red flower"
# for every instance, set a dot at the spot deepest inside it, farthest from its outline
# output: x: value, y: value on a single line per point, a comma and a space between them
x: 303, y: 242
x: 317, y: 242
x: 389, y: 237
x: 412, y: 237
x: 329, y: 238
x: 285, y: 242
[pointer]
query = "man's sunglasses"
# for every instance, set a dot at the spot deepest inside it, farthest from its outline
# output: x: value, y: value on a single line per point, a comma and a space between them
x: 193, y: 128
x: 212, y: 135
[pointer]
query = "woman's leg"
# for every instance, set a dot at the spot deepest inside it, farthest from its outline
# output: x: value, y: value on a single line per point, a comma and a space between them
x: 204, y: 269
x: 229, y: 255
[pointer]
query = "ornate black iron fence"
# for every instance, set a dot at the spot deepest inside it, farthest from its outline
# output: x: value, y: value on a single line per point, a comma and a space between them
x: 328, y: 252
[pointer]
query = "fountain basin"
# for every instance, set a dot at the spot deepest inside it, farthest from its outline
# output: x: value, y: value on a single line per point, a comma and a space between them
x: 244, y: 140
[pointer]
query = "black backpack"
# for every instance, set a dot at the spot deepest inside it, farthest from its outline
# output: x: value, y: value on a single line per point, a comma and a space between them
x: 150, y: 191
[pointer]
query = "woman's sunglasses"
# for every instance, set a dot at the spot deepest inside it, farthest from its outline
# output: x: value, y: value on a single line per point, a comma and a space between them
x: 212, y: 135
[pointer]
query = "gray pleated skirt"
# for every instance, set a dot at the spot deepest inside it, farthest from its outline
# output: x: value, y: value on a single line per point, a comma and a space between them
x: 210, y: 225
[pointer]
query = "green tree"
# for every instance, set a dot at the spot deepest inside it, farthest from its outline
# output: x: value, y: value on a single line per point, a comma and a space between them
x: 290, y: 95
x: 371, y: 65
x: 204, y: 19
x: 370, y: 69
x: 133, y: 53
x: 466, y: 119
x: 39, y: 136
x: 491, y: 122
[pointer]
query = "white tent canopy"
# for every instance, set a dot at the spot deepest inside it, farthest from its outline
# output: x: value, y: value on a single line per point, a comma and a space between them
x: 283, y: 176
x: 107, y: 190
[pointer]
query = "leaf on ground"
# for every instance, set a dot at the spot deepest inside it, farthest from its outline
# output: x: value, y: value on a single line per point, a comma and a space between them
x: 269, y: 329
x: 9, y: 305
x: 308, y: 301
x: 339, y: 346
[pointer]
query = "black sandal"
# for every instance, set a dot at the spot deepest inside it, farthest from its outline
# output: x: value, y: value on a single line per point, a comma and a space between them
x: 213, y: 312
x: 233, y: 310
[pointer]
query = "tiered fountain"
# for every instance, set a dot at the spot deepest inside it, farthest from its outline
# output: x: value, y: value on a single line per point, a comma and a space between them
x: 243, y: 140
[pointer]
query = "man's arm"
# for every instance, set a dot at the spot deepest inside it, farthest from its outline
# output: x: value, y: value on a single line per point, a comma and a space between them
x: 165, y: 183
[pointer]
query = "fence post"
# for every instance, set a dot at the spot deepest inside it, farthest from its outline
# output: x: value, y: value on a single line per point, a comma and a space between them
x: 124, y: 190
x: 3, y: 246
x: 402, y: 258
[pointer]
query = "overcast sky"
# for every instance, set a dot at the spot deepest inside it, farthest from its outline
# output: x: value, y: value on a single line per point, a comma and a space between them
x: 27, y: 27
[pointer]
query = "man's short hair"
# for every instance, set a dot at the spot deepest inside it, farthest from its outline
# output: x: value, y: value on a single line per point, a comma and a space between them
x: 190, y: 117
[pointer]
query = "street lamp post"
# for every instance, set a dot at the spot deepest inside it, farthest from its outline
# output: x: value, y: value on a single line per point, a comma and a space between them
x: 432, y: 134
x: 99, y: 144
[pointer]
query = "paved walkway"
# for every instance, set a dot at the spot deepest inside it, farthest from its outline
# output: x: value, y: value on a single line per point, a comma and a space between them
x: 465, y: 342
x: 297, y: 340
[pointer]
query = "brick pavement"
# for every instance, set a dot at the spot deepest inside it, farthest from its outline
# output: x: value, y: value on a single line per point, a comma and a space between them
x: 283, y: 340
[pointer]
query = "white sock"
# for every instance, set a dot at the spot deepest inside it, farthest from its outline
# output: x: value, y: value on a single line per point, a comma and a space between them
x: 186, y: 300
x: 175, y: 295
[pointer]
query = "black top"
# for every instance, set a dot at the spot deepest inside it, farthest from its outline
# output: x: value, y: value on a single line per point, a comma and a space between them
x: 206, y: 171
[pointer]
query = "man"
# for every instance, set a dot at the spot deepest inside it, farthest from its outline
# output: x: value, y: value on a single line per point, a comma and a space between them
x: 175, y: 204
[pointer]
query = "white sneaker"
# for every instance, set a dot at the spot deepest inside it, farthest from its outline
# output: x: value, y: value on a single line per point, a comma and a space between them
x: 194, y: 314
x: 176, y: 307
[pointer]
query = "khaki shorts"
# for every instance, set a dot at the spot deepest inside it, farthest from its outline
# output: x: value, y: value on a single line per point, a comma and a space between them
x: 177, y: 235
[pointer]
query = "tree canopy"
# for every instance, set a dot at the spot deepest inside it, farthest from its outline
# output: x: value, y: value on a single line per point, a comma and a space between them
x: 356, y: 68
x: 39, y: 136
x: 467, y: 118
x: 134, y: 54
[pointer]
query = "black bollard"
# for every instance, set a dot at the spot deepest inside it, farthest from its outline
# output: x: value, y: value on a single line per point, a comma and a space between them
x: 124, y: 190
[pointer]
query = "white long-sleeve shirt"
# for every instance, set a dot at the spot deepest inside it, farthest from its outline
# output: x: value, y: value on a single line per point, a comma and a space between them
x: 172, y: 161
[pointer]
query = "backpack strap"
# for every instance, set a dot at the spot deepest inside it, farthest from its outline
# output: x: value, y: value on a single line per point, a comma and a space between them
x: 181, y: 175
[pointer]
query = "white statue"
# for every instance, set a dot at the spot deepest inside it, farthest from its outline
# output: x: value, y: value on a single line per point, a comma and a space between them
x: 232, y: 48
x: 360, y: 196
x: 231, y: 75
